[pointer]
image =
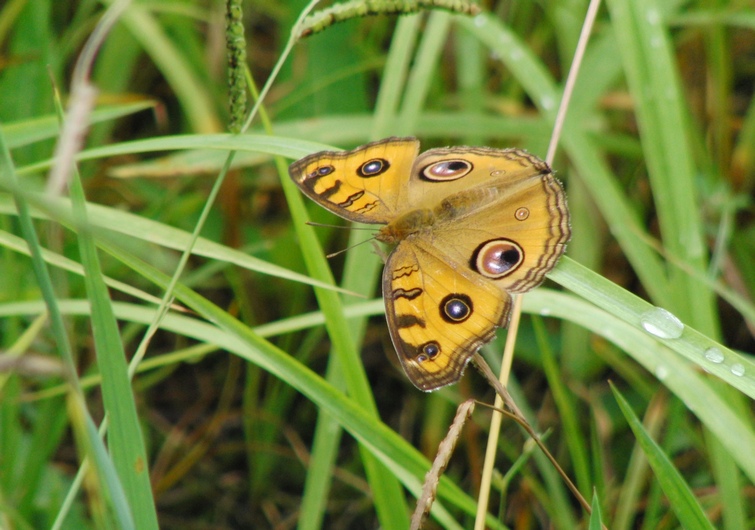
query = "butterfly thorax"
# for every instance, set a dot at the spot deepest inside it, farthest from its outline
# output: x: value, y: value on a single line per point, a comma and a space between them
x: 412, y: 222
x: 446, y: 211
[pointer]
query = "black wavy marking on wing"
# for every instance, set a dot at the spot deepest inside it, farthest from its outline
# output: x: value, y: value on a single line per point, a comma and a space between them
x: 329, y: 192
x: 409, y: 295
x: 351, y: 199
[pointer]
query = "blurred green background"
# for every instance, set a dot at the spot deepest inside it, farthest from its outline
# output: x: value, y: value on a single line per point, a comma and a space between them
x: 247, y: 411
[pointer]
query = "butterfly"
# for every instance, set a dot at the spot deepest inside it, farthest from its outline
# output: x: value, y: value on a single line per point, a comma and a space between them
x: 470, y: 225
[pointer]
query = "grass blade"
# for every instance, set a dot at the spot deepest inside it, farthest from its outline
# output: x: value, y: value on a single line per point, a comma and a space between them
x: 678, y: 492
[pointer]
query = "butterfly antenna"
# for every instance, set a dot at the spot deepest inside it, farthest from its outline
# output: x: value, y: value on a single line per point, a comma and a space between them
x: 341, y: 227
x: 336, y: 253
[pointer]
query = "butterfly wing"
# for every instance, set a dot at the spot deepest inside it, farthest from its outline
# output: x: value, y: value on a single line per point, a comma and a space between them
x: 439, y: 313
x: 441, y: 172
x: 471, y: 225
x: 500, y: 210
x: 368, y: 184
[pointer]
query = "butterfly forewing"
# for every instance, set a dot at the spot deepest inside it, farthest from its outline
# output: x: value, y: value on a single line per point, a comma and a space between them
x: 366, y: 185
x: 440, y: 173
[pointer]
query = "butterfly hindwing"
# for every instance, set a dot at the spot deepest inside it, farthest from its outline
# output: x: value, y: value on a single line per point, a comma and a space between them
x: 439, y: 314
x: 510, y: 224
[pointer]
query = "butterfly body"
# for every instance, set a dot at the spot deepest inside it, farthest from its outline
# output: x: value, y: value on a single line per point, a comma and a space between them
x: 470, y: 225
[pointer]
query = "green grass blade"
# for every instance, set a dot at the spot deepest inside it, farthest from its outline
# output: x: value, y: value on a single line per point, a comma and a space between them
x: 386, y: 116
x: 698, y: 393
x: 388, y: 495
x: 17, y: 244
x: 735, y: 369
x: 392, y: 450
x: 150, y: 231
x: 635, y: 477
x: 83, y: 425
x: 596, y: 521
x: 325, y: 445
x: 125, y: 438
x: 25, y: 132
x: 664, y: 122
x: 680, y: 496
x: 434, y: 37
x: 584, y: 154
x: 567, y: 410
x: 361, y: 267
x: 729, y: 482
x: 193, y: 94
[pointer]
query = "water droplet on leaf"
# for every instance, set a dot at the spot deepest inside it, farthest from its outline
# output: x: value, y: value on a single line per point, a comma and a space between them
x: 714, y: 355
x: 662, y: 324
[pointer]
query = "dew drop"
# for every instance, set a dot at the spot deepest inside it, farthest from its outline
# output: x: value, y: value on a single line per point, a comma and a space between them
x: 516, y: 54
x: 714, y: 355
x: 661, y: 372
x: 480, y: 21
x: 544, y: 312
x: 653, y: 16
x: 737, y: 369
x: 662, y: 324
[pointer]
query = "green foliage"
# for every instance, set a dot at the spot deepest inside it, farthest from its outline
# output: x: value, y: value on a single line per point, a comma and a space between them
x: 263, y: 395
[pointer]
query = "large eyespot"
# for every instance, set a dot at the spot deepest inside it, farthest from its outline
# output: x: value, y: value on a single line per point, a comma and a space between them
x: 447, y: 170
x: 373, y: 168
x: 456, y: 308
x: 497, y: 258
x: 428, y: 351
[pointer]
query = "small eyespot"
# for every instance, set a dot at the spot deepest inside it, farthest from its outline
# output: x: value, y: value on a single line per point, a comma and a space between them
x: 447, y: 170
x: 428, y: 351
x: 456, y: 308
x: 497, y: 258
x: 321, y: 171
x: 522, y: 213
x: 497, y: 173
x: 373, y: 168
